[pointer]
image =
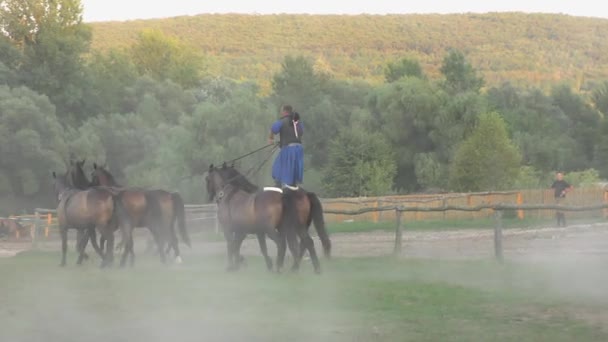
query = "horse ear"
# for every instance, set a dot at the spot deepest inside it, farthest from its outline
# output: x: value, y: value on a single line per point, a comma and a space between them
x: 82, y: 162
x: 54, y: 175
x: 94, y: 165
x: 211, y: 167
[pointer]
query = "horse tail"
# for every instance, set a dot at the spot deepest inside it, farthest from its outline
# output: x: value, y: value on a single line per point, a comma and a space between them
x: 180, y: 213
x: 289, y: 220
x: 316, y: 215
x: 153, y: 213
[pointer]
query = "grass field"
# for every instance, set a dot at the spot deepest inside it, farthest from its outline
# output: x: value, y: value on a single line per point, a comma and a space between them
x: 443, y: 225
x: 355, y: 299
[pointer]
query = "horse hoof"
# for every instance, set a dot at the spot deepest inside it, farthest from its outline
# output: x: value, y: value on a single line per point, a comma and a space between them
x: 318, y: 271
x: 178, y: 260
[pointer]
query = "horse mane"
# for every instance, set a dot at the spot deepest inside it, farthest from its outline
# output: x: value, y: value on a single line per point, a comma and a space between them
x: 236, y: 179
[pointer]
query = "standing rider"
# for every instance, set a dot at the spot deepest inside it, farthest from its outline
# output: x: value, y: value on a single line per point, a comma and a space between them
x: 288, y: 167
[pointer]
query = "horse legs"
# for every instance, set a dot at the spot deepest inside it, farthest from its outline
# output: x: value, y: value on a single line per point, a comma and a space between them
x: 229, y: 237
x: 108, y: 258
x: 174, y: 244
x: 262, y: 241
x: 281, y: 249
x: 64, y: 244
x: 292, y: 242
x: 127, y: 237
x: 238, y: 240
x: 156, y: 233
x: 306, y: 242
x: 82, y: 239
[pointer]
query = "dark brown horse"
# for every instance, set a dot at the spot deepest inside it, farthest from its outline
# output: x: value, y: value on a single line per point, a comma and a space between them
x: 87, y: 210
x: 301, y: 209
x: 170, y: 210
x: 241, y: 212
x: 141, y: 210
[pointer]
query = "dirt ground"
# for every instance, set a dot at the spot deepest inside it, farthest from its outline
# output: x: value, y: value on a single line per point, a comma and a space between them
x: 529, y: 243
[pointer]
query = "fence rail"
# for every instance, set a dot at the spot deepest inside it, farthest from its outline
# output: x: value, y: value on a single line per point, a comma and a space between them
x: 402, y: 209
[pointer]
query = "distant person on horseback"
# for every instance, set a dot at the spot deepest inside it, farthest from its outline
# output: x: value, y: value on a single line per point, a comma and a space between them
x: 288, y: 167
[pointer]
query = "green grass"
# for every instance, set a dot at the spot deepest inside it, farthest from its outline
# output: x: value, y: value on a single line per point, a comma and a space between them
x: 443, y: 225
x: 363, y: 299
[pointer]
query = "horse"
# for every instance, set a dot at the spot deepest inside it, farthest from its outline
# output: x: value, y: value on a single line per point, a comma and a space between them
x: 170, y: 209
x: 86, y: 210
x: 142, y: 209
x: 302, y: 209
x: 241, y: 212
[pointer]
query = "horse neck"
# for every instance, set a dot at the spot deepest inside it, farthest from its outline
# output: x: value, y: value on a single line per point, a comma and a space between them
x: 243, y: 184
x: 105, y: 179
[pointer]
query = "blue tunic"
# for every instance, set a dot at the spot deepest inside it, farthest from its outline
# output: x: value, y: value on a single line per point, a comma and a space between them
x: 288, y: 166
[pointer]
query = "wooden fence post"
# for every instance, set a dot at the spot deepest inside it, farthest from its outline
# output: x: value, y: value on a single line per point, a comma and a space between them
x: 35, y: 228
x: 376, y: 213
x: 398, y: 235
x: 520, y: 201
x: 49, y: 220
x: 606, y: 202
x: 498, y: 235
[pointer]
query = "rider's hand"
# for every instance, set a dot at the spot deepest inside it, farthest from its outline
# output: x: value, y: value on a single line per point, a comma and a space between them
x: 270, y: 141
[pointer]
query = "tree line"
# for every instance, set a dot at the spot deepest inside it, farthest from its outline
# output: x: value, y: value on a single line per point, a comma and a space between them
x: 156, y: 119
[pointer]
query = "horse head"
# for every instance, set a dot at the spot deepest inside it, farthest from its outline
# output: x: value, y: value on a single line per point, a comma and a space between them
x: 215, y: 182
x: 60, y: 184
x: 76, y: 176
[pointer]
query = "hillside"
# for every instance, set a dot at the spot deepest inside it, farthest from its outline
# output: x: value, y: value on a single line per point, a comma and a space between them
x: 533, y: 49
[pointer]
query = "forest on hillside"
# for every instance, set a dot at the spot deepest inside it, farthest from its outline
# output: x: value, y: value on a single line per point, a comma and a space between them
x: 157, y: 118
x: 523, y: 49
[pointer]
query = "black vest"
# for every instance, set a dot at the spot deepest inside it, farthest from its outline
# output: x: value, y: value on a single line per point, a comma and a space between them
x: 287, y: 134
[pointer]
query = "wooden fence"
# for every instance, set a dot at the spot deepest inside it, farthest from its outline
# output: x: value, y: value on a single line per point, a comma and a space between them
x: 577, y: 197
x: 590, y: 202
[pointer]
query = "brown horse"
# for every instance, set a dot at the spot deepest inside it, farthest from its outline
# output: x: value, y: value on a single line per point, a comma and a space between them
x: 301, y: 209
x: 86, y: 210
x: 141, y: 210
x: 170, y: 206
x: 241, y: 212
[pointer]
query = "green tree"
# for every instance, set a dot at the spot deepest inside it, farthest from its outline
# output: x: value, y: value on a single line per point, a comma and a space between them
x: 119, y: 140
x: 460, y: 76
x: 404, y: 67
x: 538, y: 127
x: 213, y: 133
x: 404, y: 112
x: 297, y: 84
x: 52, y: 38
x: 110, y: 74
x: 158, y: 101
x: 360, y: 164
x: 601, y: 150
x: 163, y: 57
x: 599, y: 97
x: 487, y: 159
x: 31, y: 140
x: 583, y: 125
